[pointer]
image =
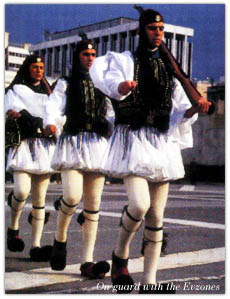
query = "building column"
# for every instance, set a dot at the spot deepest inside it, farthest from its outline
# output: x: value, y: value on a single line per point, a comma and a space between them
x: 100, y: 46
x: 60, y: 60
x: 136, y: 42
x: 127, y: 41
x: 44, y: 57
x: 185, y: 55
x: 46, y: 60
x: 64, y: 60
x: 109, y: 42
x: 53, y: 62
x: 49, y: 62
x: 57, y: 69
x: 174, y: 45
x: 68, y: 59
x: 190, y: 60
x: 114, y: 40
x: 118, y: 42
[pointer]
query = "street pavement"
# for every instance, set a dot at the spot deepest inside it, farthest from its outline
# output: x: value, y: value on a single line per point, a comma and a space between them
x: 194, y: 262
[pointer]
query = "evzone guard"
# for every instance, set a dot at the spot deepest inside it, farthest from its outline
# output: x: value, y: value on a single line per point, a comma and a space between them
x: 78, y: 155
x: 153, y: 119
x: 30, y: 153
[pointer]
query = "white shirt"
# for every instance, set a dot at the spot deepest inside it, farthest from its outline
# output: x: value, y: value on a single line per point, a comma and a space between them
x: 108, y: 71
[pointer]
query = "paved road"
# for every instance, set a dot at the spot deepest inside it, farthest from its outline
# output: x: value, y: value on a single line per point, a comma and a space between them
x: 194, y: 260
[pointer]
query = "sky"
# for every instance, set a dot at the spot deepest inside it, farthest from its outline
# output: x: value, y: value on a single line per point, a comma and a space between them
x: 27, y: 22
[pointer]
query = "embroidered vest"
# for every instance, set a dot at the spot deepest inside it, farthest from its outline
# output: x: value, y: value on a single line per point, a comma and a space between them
x: 85, y: 108
x: 150, y: 103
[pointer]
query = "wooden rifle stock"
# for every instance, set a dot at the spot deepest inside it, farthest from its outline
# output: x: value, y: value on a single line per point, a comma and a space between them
x: 191, y: 91
x: 47, y: 85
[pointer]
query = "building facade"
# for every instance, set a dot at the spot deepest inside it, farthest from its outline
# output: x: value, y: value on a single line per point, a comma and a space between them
x: 15, y: 54
x: 117, y: 35
x: 206, y: 160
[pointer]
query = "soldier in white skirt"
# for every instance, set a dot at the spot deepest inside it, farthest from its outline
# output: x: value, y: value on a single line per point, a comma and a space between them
x: 78, y: 155
x: 30, y: 159
x: 153, y: 119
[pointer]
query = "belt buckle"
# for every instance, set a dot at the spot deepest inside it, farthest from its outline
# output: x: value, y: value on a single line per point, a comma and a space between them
x: 88, y: 126
x: 150, y: 118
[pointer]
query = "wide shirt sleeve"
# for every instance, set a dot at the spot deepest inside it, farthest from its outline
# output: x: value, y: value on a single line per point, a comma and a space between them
x: 108, y: 71
x: 180, y: 128
x: 55, y: 109
x: 22, y: 97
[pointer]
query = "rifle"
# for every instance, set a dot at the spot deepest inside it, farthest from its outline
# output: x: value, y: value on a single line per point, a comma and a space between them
x: 49, y: 90
x: 191, y: 91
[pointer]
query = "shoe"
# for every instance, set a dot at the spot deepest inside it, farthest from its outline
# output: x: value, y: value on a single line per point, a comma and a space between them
x: 41, y: 254
x: 58, y: 256
x: 120, y: 276
x: 162, y: 288
x: 14, y: 243
x: 94, y: 271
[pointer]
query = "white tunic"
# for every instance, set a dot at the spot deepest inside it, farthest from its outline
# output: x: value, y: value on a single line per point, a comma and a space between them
x: 33, y: 155
x: 85, y: 150
x: 144, y: 152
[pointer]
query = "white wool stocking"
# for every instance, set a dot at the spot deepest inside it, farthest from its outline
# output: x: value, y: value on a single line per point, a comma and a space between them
x: 153, y: 232
x: 38, y: 192
x: 72, y: 182
x: 93, y: 187
x: 139, y: 203
x: 22, y: 186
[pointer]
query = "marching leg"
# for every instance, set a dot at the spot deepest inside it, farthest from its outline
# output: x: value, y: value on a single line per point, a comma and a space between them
x: 72, y: 181
x: 16, y: 200
x: 153, y: 238
x: 139, y: 203
x: 39, y: 188
x: 93, y: 187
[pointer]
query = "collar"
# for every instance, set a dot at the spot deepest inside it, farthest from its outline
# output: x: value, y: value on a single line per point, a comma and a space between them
x: 154, y: 53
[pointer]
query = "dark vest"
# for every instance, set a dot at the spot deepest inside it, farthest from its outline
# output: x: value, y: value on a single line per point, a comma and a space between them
x: 150, y: 104
x: 85, y: 107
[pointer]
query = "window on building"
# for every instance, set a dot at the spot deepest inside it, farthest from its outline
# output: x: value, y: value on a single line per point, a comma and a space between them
x: 179, y: 49
x: 168, y: 40
x: 132, y: 36
x: 96, y: 44
x: 64, y: 52
x: 14, y: 65
x: 6, y: 58
x: 71, y: 49
x: 56, y: 59
x: 104, y: 44
x: 43, y: 54
x: 189, y: 71
x: 113, y: 42
x: 123, y: 36
x: 49, y: 62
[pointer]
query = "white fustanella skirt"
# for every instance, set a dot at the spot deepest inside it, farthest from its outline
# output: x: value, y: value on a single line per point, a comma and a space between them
x: 84, y: 151
x: 143, y: 152
x: 33, y: 155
